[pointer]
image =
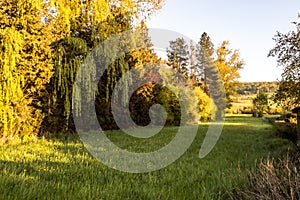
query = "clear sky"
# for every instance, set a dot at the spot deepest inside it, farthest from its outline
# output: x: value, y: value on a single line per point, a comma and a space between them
x: 249, y: 25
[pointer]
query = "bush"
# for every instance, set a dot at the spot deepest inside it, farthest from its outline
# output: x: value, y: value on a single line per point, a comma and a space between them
x: 206, y: 105
x: 247, y: 111
x: 286, y: 131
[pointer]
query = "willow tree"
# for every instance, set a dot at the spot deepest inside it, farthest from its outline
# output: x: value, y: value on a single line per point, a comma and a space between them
x: 85, y: 25
x: 25, y: 66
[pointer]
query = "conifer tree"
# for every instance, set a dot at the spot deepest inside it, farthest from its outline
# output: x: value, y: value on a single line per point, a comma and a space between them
x: 178, y: 56
x: 205, y: 58
x: 213, y: 84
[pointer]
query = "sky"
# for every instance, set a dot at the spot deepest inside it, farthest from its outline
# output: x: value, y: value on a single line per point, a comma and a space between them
x: 249, y: 25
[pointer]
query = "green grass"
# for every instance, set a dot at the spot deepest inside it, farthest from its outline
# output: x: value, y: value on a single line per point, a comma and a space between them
x: 63, y: 169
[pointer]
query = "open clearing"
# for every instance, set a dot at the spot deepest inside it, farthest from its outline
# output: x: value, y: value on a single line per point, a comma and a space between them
x: 64, y: 169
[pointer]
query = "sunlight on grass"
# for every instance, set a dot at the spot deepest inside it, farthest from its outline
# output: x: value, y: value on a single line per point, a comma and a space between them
x: 63, y: 169
x: 225, y: 123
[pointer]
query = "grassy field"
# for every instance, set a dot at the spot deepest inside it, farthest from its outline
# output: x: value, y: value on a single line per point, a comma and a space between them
x: 63, y: 169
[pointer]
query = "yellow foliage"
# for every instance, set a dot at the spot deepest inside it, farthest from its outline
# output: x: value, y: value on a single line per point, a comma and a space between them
x: 207, y: 108
x: 28, y: 30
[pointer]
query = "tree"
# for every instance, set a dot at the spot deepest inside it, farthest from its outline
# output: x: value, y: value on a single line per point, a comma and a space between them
x: 213, y: 84
x: 178, y: 56
x: 195, y: 75
x: 25, y: 65
x: 46, y: 41
x: 205, y: 67
x: 88, y: 25
x: 287, y: 51
x: 261, y: 103
x: 229, y: 64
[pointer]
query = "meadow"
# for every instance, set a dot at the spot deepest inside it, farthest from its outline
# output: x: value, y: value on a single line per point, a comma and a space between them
x: 61, y: 167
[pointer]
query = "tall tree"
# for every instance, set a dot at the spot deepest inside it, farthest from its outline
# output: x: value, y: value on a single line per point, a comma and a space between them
x: 39, y: 39
x: 213, y: 84
x: 178, y: 56
x: 205, y: 58
x: 195, y: 76
x: 25, y: 66
x: 91, y: 23
x: 229, y: 63
x: 287, y: 51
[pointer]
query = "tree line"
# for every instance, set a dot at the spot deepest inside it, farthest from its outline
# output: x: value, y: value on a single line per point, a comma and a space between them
x: 45, y: 43
x: 211, y: 69
x: 252, y: 88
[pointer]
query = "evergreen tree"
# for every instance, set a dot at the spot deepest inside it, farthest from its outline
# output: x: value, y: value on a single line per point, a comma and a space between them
x: 205, y: 58
x: 178, y: 56
x: 195, y: 74
x: 213, y: 84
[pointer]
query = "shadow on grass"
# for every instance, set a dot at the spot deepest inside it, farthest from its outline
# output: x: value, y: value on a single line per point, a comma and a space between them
x: 61, y: 168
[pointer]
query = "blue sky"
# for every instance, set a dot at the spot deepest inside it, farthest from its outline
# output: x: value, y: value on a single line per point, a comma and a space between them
x: 249, y: 25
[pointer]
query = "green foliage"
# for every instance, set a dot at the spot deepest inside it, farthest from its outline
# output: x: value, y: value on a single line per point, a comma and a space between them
x: 252, y: 88
x: 178, y: 56
x: 213, y: 80
x: 286, y: 131
x: 63, y: 169
x: 205, y: 58
x: 171, y: 95
x: 67, y: 57
x: 228, y: 63
x: 143, y: 59
x: 44, y: 43
x: 84, y: 31
x: 287, y: 50
x: 217, y: 76
x: 261, y: 103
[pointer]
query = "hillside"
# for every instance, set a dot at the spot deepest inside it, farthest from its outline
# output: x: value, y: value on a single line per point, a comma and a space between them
x: 246, y: 92
x: 250, y: 88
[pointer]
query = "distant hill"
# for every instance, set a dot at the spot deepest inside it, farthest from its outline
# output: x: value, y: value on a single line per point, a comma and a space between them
x: 246, y: 92
x: 250, y: 88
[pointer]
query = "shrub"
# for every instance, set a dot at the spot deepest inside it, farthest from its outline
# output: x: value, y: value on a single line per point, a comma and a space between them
x: 286, y: 130
x: 206, y: 105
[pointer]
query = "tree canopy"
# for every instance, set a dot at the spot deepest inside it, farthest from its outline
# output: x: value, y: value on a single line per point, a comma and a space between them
x: 46, y: 45
x: 287, y: 51
x: 261, y: 103
x: 43, y: 43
